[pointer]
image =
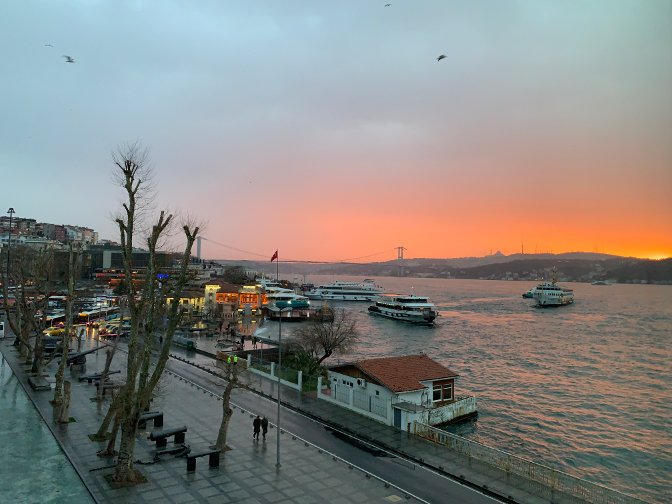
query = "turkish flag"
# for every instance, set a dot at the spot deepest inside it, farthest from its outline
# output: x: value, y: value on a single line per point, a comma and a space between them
x: 275, y: 256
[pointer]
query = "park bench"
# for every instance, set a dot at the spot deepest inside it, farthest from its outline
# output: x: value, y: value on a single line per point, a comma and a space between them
x: 213, y: 462
x: 161, y: 436
x: 97, y: 376
x: 156, y: 416
x: 108, y: 385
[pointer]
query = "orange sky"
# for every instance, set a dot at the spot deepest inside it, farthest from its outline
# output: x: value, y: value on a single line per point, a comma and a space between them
x: 330, y: 130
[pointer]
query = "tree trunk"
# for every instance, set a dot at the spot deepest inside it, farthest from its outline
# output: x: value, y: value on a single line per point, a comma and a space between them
x: 65, y: 407
x: 112, y: 412
x: 109, y: 449
x: 227, y: 412
x: 124, y: 469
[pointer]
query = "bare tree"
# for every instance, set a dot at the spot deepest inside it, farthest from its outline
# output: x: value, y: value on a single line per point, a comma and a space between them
x: 323, y: 338
x: 134, y: 173
x: 74, y: 261
x: 32, y: 274
x: 231, y: 372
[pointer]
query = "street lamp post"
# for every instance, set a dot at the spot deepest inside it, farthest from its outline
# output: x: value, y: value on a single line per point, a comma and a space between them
x: 9, y: 243
x: 279, y: 312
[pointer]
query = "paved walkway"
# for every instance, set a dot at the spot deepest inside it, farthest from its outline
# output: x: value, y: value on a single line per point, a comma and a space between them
x: 247, y: 473
x: 426, y: 452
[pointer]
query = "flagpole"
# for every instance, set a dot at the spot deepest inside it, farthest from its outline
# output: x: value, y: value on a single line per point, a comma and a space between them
x: 277, y: 267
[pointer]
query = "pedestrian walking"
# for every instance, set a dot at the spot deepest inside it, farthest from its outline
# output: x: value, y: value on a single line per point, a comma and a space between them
x: 264, y: 427
x: 242, y: 340
x: 257, y: 427
x: 254, y: 341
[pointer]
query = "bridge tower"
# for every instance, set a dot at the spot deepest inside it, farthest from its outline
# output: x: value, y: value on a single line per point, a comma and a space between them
x: 400, y: 258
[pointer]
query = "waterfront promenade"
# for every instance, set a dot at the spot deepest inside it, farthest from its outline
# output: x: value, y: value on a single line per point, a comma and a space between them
x: 316, y: 465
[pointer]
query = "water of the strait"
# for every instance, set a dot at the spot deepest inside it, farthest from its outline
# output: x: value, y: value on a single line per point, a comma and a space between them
x: 586, y: 389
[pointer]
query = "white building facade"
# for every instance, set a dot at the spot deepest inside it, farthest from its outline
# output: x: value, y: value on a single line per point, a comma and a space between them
x: 398, y: 391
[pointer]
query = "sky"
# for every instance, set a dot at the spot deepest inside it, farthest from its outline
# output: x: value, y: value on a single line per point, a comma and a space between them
x: 329, y: 130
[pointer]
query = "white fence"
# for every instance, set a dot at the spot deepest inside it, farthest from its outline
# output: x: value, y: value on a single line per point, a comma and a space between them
x: 550, y: 479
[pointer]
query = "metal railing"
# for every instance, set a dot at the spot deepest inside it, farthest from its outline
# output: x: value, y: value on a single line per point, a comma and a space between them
x: 551, y: 479
x: 340, y: 393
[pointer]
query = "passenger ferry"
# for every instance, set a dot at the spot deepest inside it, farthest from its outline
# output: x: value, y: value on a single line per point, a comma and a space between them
x: 414, y: 309
x: 287, y: 299
x: 551, y: 294
x: 347, y: 291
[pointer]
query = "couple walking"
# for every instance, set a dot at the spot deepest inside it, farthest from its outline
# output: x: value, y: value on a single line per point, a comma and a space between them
x: 260, y: 425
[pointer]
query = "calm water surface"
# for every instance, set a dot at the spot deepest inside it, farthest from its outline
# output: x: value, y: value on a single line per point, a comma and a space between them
x: 586, y: 389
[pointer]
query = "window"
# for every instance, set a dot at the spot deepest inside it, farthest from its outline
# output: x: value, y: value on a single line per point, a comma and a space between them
x: 377, y: 392
x: 448, y: 392
x: 437, y: 393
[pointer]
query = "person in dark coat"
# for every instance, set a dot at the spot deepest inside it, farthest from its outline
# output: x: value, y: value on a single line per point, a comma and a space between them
x: 264, y: 427
x: 257, y: 427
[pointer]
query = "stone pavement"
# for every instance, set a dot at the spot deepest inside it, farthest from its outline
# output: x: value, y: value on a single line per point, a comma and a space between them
x: 246, y: 474
x: 439, y: 457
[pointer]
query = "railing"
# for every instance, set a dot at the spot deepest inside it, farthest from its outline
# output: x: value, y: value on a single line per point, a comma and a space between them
x: 379, y: 406
x: 360, y: 400
x: 551, y: 479
x: 341, y: 393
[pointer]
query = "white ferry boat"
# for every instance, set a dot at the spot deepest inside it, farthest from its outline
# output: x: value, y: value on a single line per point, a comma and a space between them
x: 287, y: 299
x: 415, y: 309
x: 551, y: 294
x: 347, y: 291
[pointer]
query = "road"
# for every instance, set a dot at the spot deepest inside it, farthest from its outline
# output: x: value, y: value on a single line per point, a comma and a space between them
x: 418, y: 481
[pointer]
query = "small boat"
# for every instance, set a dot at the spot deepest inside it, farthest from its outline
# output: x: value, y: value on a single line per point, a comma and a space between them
x: 551, y: 294
x: 414, y: 309
x: 600, y: 282
x: 530, y: 293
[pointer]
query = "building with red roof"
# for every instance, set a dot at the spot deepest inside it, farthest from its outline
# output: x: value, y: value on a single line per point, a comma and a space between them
x: 399, y: 391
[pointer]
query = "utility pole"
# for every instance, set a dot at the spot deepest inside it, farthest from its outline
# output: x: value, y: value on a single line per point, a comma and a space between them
x: 400, y: 258
x: 9, y: 243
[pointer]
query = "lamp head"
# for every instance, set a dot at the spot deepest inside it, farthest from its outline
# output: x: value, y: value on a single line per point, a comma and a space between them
x: 11, y: 210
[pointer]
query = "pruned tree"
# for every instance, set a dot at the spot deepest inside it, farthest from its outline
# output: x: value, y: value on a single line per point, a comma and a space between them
x: 133, y: 172
x: 322, y: 338
x: 231, y: 371
x: 31, y: 272
x: 74, y: 261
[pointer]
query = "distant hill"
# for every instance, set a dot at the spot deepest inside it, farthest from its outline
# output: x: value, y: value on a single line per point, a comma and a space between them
x: 571, y: 266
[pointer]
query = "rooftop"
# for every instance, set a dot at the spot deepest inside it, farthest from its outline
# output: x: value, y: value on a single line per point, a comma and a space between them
x: 403, y: 374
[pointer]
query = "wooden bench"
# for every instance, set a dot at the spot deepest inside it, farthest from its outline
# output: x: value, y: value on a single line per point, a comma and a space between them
x: 108, y: 386
x: 213, y: 462
x: 155, y: 416
x: 161, y: 437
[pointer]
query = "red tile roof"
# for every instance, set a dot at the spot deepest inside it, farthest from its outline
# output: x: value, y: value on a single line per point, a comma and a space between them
x: 403, y: 374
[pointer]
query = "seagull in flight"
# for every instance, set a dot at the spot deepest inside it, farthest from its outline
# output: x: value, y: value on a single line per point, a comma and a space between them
x: 68, y: 59
x: 387, y: 5
x: 48, y: 45
x: 440, y: 57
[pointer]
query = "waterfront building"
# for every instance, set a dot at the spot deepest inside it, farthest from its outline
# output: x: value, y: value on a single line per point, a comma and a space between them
x: 399, y: 390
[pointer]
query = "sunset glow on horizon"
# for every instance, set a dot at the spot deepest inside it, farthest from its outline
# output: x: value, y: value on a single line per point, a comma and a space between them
x: 330, y: 131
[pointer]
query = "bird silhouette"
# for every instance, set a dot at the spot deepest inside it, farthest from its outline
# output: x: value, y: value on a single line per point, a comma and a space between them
x: 387, y: 5
x: 68, y: 59
x: 48, y: 45
x: 440, y: 57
